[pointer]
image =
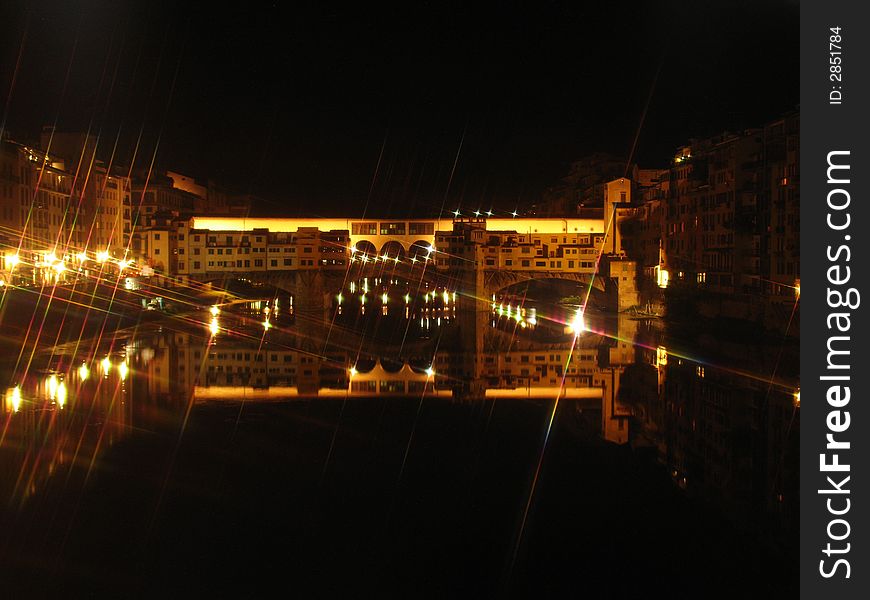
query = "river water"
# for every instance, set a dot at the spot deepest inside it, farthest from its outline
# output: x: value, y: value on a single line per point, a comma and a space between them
x: 403, y: 446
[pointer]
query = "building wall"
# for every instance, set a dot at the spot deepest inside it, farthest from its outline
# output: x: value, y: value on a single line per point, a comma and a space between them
x: 724, y: 217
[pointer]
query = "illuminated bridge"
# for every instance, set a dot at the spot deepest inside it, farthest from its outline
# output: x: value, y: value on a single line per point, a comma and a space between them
x: 387, y: 236
x: 474, y: 255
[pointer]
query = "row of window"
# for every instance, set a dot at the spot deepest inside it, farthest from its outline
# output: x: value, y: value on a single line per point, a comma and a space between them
x: 393, y: 228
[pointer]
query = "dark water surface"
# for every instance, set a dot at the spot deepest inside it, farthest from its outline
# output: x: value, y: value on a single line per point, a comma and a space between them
x: 405, y: 460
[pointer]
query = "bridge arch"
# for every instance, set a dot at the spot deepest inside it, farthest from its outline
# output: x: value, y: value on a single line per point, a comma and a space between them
x: 365, y: 364
x: 420, y: 365
x: 393, y: 249
x: 419, y: 249
x: 391, y: 366
x: 497, y: 282
x: 366, y: 247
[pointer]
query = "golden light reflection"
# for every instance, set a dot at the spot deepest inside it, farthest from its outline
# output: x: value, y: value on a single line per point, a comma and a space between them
x: 123, y: 370
x: 61, y: 394
x: 662, y: 277
x: 214, y: 327
x: 14, y: 398
x: 84, y: 372
x: 578, y: 324
x: 106, y: 364
x: 661, y: 356
x: 52, y: 387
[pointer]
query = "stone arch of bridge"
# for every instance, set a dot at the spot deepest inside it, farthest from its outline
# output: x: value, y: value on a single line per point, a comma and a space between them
x: 419, y: 249
x: 366, y: 247
x: 378, y: 369
x: 499, y: 281
x: 392, y: 249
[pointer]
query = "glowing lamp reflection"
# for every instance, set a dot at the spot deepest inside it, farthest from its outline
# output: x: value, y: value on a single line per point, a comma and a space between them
x: 16, y: 398
x: 578, y: 324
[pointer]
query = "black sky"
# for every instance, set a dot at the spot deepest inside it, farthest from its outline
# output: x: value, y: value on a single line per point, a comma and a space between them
x: 304, y: 104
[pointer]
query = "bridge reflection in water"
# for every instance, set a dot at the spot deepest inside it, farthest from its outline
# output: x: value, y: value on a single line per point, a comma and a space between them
x: 725, y: 434
x: 615, y: 379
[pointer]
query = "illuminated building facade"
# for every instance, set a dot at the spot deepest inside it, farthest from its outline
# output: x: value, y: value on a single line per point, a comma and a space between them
x: 724, y: 219
x: 57, y: 214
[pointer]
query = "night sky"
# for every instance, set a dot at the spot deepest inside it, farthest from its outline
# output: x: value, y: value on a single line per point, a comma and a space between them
x: 324, y: 110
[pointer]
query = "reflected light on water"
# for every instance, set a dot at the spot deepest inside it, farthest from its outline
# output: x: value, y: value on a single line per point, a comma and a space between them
x: 52, y: 387
x: 123, y: 369
x: 84, y: 372
x: 214, y: 327
x: 661, y: 356
x: 13, y: 398
x: 578, y: 324
x: 106, y: 364
x: 61, y: 394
